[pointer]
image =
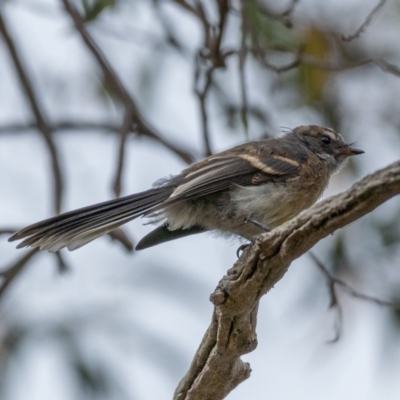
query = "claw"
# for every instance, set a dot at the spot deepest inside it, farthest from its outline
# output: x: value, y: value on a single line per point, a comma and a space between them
x: 241, y: 248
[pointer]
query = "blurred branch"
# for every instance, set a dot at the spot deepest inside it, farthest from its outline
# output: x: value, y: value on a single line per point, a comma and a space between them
x: 209, y: 58
x: 367, y: 21
x: 133, y: 119
x: 62, y: 264
x: 289, y: 11
x: 9, y: 274
x: 284, y: 17
x: 299, y: 58
x: 217, y: 368
x: 333, y: 282
x: 125, y: 129
x: 388, y: 67
x: 171, y: 37
x: 7, y: 231
x: 202, y: 83
x: 242, y: 76
x: 349, y: 289
x: 121, y: 236
x: 42, y: 124
x: 18, y: 127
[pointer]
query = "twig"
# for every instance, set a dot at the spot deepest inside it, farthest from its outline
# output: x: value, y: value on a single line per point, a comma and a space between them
x: 121, y: 236
x: 289, y: 11
x: 170, y: 36
x: 117, y: 186
x: 367, y: 21
x: 198, y: 11
x: 388, y: 67
x: 8, y: 231
x: 283, y: 17
x: 63, y: 266
x: 19, y: 127
x: 354, y: 293
x: 43, y: 125
x: 202, y: 84
x: 10, y: 273
x: 305, y: 59
x: 209, y: 58
x: 334, y: 301
x: 132, y: 113
x: 242, y: 77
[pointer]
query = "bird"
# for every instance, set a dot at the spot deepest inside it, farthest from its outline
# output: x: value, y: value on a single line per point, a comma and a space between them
x: 240, y: 192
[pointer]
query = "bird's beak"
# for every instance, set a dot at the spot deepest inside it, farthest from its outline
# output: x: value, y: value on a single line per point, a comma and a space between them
x: 350, y: 151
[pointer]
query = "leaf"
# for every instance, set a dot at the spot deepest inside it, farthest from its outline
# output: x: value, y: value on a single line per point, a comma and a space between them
x: 93, y: 8
x: 313, y: 79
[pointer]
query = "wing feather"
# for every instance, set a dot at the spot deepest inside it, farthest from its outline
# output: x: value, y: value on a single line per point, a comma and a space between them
x: 220, y: 173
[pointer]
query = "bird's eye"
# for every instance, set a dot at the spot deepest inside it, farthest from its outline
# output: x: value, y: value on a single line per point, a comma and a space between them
x: 326, y: 140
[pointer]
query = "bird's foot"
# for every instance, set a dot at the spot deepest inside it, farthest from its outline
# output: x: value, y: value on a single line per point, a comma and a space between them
x: 242, y: 247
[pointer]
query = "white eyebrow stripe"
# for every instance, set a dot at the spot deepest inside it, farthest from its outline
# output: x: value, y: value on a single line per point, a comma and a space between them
x: 332, y: 135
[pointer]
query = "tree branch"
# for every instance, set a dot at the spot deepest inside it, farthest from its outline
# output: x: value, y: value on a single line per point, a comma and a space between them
x: 8, y: 275
x: 367, y: 21
x: 333, y: 282
x: 63, y: 125
x: 41, y: 121
x: 217, y: 368
x: 133, y: 118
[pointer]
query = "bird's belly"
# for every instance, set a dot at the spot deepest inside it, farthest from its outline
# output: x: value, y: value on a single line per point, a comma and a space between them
x: 271, y: 204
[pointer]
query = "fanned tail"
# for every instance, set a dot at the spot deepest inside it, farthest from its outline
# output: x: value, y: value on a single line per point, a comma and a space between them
x: 76, y: 228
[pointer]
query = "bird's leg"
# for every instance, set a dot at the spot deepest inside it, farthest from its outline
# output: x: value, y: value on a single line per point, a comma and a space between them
x: 258, y: 224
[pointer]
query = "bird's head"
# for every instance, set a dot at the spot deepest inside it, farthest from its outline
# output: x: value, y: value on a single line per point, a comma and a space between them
x: 326, y: 144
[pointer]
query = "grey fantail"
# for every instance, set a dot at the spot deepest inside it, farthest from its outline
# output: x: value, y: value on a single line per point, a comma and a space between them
x: 266, y: 182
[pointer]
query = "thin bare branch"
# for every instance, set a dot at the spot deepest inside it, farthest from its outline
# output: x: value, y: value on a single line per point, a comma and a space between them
x: 187, y: 6
x: 202, y: 84
x: 43, y: 125
x: 217, y: 368
x: 8, y: 231
x: 352, y: 292
x: 122, y: 237
x: 388, y: 67
x: 63, y: 266
x: 283, y: 17
x: 18, y: 127
x: 367, y: 21
x: 209, y: 58
x: 132, y: 113
x: 117, y: 186
x: 289, y: 11
x: 334, y: 301
x: 242, y: 78
x: 299, y: 58
x: 9, y: 274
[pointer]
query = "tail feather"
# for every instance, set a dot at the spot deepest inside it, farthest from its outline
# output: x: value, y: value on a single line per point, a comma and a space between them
x: 75, y: 228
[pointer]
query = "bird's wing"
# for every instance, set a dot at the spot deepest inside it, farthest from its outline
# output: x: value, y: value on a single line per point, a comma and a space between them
x: 219, y: 173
